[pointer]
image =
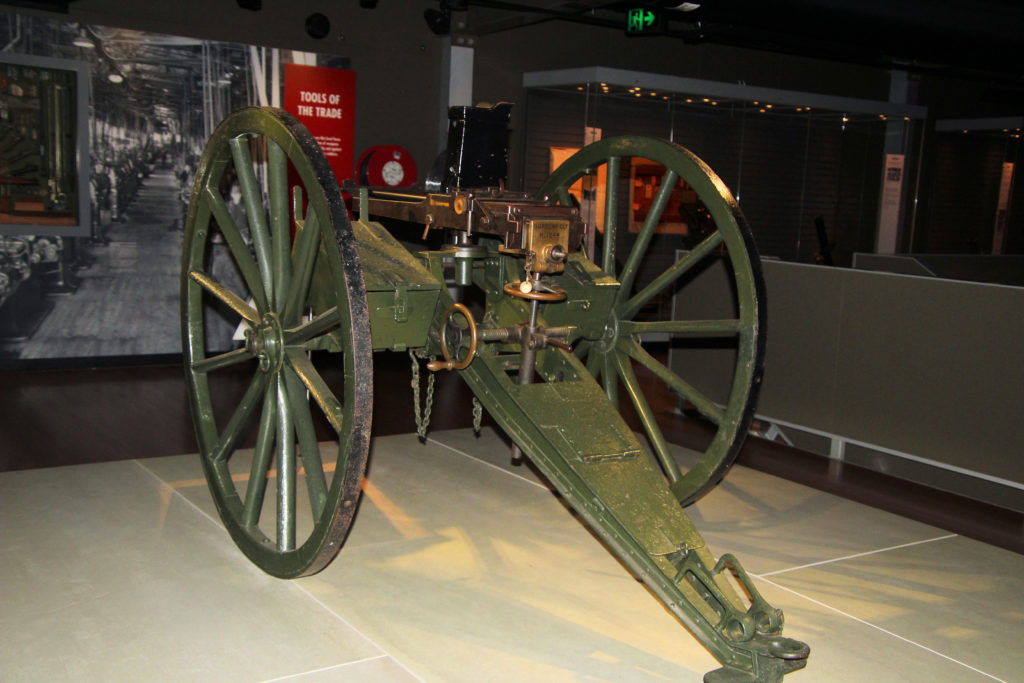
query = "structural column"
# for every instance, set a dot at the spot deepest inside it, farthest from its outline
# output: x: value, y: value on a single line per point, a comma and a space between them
x: 890, y: 206
x: 456, y: 79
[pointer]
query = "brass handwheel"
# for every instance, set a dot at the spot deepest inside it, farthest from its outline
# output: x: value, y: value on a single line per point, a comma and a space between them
x: 515, y: 289
x: 448, y: 363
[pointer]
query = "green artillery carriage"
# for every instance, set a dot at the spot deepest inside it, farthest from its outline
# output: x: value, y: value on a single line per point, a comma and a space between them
x: 548, y: 357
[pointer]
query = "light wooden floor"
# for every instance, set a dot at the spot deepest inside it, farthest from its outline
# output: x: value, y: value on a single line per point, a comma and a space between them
x: 461, y: 568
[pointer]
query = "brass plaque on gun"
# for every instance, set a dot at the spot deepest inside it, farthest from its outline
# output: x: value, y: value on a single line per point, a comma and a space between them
x: 549, y: 241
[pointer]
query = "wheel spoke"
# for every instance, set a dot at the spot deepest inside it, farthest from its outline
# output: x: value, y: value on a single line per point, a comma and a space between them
x: 233, y: 428
x: 595, y: 363
x: 239, y: 249
x: 302, y: 418
x: 643, y: 239
x: 280, y: 225
x: 703, y: 328
x: 307, y: 243
x: 611, y: 209
x: 297, y: 202
x: 257, y: 486
x: 610, y: 379
x: 564, y: 198
x: 703, y: 404
x: 222, y: 360
x: 327, y: 320
x: 674, y: 272
x: 225, y: 295
x: 318, y: 388
x: 580, y: 350
x: 643, y: 409
x: 254, y: 211
x: 285, y: 471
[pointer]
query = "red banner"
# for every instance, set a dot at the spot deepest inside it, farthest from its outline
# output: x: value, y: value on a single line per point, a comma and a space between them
x: 324, y: 100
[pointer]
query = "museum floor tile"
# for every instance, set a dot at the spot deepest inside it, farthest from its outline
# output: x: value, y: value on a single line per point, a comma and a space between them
x: 460, y: 567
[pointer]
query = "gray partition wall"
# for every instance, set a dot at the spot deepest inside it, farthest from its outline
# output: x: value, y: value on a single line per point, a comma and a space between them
x: 1004, y: 269
x: 918, y: 377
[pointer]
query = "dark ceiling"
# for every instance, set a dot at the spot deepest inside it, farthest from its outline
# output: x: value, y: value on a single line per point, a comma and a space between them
x: 976, y: 39
x: 965, y: 38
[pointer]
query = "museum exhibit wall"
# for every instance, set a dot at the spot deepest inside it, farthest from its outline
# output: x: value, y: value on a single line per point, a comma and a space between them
x: 396, y: 57
x: 786, y: 170
x: 400, y: 62
x: 137, y: 117
x: 1003, y: 269
x: 502, y: 58
x: 135, y: 147
x: 916, y: 377
x: 962, y: 178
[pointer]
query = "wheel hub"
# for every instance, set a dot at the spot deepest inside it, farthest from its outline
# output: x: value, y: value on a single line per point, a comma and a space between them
x: 265, y: 341
x: 611, y: 333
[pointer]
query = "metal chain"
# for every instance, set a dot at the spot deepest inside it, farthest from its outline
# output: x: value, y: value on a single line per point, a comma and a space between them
x: 478, y: 414
x: 422, y: 418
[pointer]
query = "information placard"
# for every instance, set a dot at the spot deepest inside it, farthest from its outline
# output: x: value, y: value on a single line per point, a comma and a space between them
x: 323, y: 99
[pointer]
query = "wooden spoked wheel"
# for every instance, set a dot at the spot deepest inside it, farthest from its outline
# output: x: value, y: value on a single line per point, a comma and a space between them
x: 611, y: 359
x: 281, y: 265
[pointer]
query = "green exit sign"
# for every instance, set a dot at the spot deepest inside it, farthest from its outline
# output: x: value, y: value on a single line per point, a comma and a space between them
x: 642, y: 20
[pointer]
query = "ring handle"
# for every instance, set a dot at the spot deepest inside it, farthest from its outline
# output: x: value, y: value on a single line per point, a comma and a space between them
x: 514, y: 289
x: 448, y: 363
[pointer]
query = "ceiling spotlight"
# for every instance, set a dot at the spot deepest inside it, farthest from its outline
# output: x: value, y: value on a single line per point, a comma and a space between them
x: 317, y: 26
x: 439, y: 22
x: 115, y: 77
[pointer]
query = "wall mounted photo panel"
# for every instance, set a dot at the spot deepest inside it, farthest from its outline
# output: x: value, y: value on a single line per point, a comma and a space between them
x: 101, y: 134
x: 44, y: 146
